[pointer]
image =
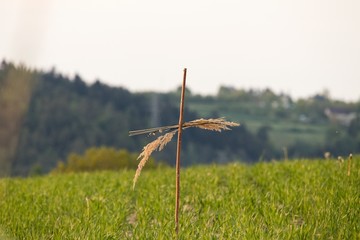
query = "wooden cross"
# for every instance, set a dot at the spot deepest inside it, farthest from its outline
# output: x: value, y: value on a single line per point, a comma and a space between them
x: 218, y: 124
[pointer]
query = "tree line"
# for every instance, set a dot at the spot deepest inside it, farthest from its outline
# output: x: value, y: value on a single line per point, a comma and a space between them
x: 46, y: 116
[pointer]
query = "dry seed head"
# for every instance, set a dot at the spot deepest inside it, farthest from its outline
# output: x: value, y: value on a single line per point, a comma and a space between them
x: 217, y: 124
x: 159, y: 144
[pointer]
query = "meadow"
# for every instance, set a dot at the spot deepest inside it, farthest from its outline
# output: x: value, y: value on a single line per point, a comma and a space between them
x: 298, y: 199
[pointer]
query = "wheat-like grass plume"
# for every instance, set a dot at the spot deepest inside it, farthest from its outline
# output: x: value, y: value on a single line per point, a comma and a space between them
x: 217, y: 124
x: 159, y: 144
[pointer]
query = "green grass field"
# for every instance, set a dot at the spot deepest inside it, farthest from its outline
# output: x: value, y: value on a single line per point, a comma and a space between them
x: 301, y: 199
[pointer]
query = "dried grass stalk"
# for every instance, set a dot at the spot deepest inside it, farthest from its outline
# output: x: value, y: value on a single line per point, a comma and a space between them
x: 217, y: 124
x: 159, y: 144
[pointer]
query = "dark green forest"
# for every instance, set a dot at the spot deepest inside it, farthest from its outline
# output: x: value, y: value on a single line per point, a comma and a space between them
x: 46, y: 116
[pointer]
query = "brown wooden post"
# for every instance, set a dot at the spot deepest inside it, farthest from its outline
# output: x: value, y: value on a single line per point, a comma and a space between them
x: 178, y: 150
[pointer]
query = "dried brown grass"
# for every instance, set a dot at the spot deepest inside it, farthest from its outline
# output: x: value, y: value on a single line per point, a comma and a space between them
x: 349, y: 164
x: 211, y: 124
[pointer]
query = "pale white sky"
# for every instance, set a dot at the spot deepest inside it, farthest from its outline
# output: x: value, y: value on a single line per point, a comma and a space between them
x: 298, y: 47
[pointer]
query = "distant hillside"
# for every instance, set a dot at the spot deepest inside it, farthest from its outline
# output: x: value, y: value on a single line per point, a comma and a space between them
x: 45, y: 116
x: 62, y: 115
x: 288, y: 121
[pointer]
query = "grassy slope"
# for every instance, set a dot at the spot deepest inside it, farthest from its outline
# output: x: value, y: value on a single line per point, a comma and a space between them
x: 300, y: 199
x: 282, y: 133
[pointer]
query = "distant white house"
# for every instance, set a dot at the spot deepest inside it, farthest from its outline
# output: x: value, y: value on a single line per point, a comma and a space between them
x: 340, y: 116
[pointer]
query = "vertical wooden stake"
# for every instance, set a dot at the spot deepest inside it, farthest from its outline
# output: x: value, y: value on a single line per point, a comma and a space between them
x: 178, y: 150
x: 349, y: 165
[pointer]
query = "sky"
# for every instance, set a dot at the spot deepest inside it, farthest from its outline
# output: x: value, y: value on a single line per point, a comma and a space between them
x: 296, y: 47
